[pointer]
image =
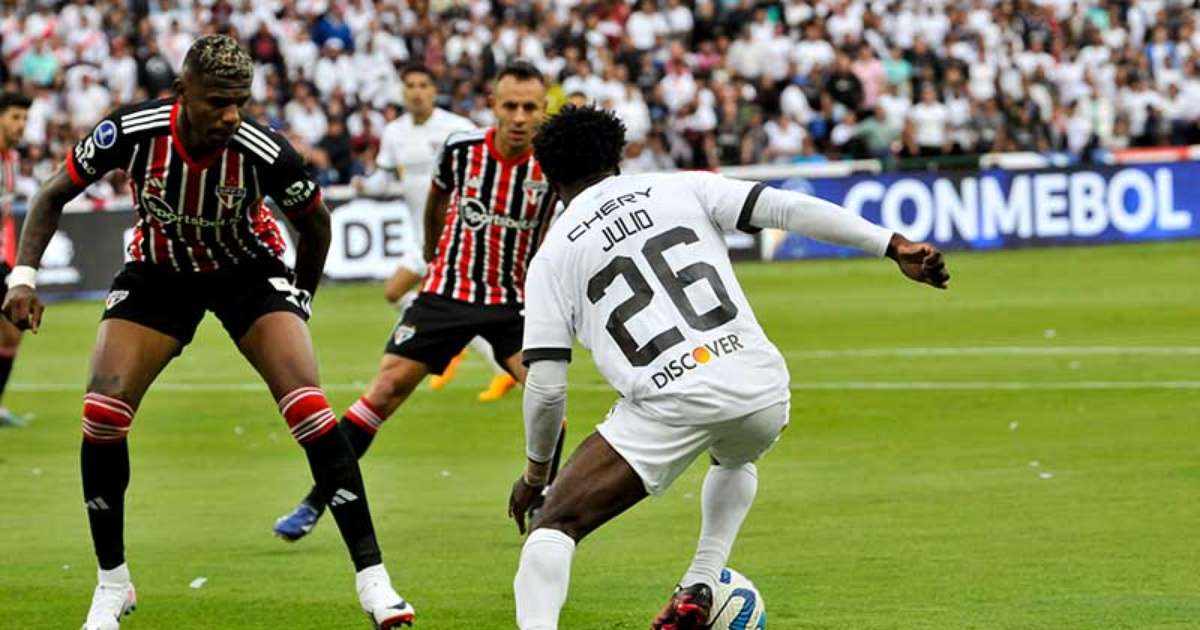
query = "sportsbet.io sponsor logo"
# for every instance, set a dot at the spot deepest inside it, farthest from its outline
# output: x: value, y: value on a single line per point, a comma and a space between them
x: 695, y: 358
x: 475, y: 216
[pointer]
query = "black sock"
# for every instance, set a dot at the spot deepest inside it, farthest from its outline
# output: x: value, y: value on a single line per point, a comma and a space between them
x: 6, y: 363
x: 360, y: 441
x: 105, y: 477
x: 335, y: 470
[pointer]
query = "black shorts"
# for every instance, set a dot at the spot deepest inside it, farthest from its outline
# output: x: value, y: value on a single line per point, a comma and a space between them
x: 4, y: 271
x: 435, y: 329
x: 173, y: 303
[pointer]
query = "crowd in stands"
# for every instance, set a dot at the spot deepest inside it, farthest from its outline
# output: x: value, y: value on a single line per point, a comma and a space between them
x: 699, y: 83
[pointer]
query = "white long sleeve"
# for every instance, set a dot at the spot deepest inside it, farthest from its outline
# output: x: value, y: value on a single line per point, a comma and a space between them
x: 545, y: 405
x: 819, y: 219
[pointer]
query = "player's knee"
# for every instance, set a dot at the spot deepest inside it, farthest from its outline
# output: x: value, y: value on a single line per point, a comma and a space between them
x: 394, y: 385
x: 567, y: 520
x: 106, y: 419
x: 307, y: 413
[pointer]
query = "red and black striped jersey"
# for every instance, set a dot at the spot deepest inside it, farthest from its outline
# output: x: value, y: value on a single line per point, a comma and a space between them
x: 499, y: 210
x: 196, y: 214
x: 8, y: 188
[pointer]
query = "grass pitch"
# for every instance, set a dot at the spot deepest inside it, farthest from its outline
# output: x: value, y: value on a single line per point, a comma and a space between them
x: 1022, y: 451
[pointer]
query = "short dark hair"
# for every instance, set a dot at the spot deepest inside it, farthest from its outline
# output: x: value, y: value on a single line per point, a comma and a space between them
x: 13, y: 99
x: 416, y: 68
x: 579, y: 142
x: 522, y: 71
x: 219, y: 56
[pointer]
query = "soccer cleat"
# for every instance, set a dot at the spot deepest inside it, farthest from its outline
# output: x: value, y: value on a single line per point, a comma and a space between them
x: 10, y: 419
x: 298, y: 523
x: 501, y: 384
x: 110, y: 602
x: 688, y: 609
x: 439, y: 381
x: 384, y: 607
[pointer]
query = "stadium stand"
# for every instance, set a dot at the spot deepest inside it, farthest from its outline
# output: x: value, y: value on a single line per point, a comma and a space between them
x: 699, y: 84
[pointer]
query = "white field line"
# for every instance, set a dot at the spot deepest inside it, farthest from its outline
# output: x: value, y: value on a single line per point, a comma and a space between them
x: 795, y: 386
x: 981, y: 351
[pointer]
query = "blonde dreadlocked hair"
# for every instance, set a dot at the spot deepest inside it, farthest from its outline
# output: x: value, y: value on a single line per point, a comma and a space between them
x: 219, y: 56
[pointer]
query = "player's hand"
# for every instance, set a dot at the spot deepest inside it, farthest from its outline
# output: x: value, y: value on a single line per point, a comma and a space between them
x: 522, y: 496
x: 23, y: 308
x: 921, y: 262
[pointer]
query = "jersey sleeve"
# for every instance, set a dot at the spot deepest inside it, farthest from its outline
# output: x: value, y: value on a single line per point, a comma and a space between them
x: 289, y: 183
x: 105, y: 149
x: 443, y: 170
x: 387, y: 159
x: 549, y: 328
x: 728, y: 202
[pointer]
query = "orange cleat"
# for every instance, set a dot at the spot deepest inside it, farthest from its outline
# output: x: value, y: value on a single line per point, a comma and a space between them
x: 447, y: 375
x: 501, y: 384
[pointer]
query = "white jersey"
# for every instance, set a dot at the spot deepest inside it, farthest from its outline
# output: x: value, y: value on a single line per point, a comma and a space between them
x: 637, y: 269
x: 412, y: 150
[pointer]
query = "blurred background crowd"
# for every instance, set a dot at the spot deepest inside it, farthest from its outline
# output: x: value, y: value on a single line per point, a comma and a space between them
x: 699, y: 83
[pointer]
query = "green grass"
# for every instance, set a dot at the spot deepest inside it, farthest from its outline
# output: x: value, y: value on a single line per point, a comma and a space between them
x: 906, y: 508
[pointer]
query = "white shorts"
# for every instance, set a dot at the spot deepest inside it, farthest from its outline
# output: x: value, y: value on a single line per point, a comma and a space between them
x: 659, y: 452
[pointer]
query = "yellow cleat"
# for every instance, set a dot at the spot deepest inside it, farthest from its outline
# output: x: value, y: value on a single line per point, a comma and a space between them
x: 501, y: 384
x: 447, y: 375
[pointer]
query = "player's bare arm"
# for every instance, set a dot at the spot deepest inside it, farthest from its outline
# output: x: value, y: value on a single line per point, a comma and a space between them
x: 313, y: 246
x: 435, y: 217
x: 22, y: 306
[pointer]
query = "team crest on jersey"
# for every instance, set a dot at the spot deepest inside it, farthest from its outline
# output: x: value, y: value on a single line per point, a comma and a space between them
x: 534, y: 189
x: 105, y: 134
x: 230, y: 196
x: 403, y: 333
x: 114, y: 298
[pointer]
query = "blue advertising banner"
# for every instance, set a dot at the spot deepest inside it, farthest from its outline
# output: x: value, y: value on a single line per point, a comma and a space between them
x: 994, y: 209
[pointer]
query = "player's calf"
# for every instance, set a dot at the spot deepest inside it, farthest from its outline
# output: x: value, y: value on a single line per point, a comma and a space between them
x: 334, y: 468
x: 104, y: 462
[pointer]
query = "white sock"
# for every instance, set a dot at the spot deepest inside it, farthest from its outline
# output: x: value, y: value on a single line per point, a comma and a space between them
x: 119, y: 575
x: 371, y: 575
x: 480, y: 345
x: 725, y: 500
x: 542, y: 579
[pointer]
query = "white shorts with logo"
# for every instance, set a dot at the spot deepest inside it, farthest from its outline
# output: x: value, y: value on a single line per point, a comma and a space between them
x: 659, y: 452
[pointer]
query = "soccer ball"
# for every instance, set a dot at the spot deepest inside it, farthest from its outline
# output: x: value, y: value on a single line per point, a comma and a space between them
x: 737, y: 605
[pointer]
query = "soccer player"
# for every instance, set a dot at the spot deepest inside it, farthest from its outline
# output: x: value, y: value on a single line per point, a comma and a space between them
x: 13, y: 110
x: 493, y: 204
x: 407, y: 153
x: 636, y: 268
x: 203, y: 242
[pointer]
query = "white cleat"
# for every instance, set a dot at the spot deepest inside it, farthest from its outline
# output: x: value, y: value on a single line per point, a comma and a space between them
x: 110, y: 602
x: 384, y: 607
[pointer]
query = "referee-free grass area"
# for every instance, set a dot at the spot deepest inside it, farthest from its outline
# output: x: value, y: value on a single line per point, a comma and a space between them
x: 1022, y: 451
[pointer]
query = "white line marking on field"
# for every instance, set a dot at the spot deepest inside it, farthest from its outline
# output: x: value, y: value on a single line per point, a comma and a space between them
x: 796, y: 386
x: 996, y: 351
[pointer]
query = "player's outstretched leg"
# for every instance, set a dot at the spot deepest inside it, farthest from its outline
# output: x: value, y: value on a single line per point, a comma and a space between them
x: 10, y: 340
x: 595, y: 486
x: 725, y: 499
x: 127, y: 359
x: 397, y: 378
x: 279, y: 347
x: 502, y: 381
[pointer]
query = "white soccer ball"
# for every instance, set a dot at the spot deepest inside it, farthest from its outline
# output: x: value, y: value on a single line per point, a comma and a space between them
x: 737, y: 605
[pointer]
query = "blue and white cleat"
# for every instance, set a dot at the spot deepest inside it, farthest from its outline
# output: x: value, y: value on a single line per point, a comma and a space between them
x: 110, y: 602
x: 298, y: 523
x: 384, y: 607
